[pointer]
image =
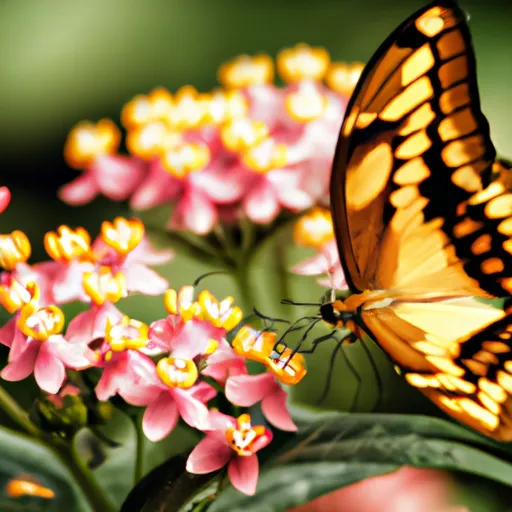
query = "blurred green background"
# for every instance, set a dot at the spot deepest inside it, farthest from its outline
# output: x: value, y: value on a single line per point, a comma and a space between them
x: 62, y: 61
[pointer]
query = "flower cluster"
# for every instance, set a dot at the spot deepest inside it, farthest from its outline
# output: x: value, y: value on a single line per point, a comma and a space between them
x: 247, y: 149
x: 174, y: 367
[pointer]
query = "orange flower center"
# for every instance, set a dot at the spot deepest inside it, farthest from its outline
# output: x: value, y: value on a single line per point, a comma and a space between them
x: 40, y: 323
x: 302, y: 62
x: 243, y: 438
x: 14, y: 248
x: 265, y: 156
x: 244, y: 71
x: 128, y: 334
x: 68, y: 244
x: 259, y: 346
x: 103, y: 285
x: 314, y: 229
x: 177, y: 373
x: 87, y: 141
x: 13, y: 294
x: 123, y: 235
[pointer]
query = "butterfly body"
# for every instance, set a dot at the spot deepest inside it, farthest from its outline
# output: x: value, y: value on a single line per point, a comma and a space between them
x: 422, y: 215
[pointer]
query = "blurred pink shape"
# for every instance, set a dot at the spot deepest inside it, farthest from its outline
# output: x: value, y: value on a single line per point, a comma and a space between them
x: 405, y: 490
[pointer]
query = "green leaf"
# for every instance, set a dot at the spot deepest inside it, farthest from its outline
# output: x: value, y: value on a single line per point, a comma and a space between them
x: 333, y: 450
x: 116, y: 464
x: 21, y: 455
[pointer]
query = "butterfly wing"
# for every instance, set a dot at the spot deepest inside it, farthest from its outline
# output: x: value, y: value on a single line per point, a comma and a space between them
x: 418, y: 214
x: 413, y: 140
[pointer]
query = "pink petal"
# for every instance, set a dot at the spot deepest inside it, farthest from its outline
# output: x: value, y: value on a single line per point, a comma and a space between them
x: 80, y: 191
x: 142, y: 279
x: 194, y: 211
x: 160, y: 417
x: 203, y: 392
x: 108, y: 384
x: 49, y: 372
x: 209, y: 455
x: 246, y: 390
x: 20, y: 343
x: 117, y: 176
x: 192, y: 338
x: 7, y: 332
x: 243, y: 473
x: 22, y: 366
x: 221, y: 185
x: 67, y: 286
x: 91, y: 325
x: 193, y: 411
x: 5, y: 198
x: 157, y: 188
x: 147, y: 255
x: 313, y: 266
x: 73, y: 355
x: 274, y: 408
x: 286, y: 187
x: 260, y: 203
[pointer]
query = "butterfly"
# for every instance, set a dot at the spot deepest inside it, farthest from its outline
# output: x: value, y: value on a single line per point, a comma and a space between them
x: 422, y: 215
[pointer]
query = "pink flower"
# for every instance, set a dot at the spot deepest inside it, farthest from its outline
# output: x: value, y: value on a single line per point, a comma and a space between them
x: 91, y: 148
x: 232, y: 442
x: 326, y: 261
x: 247, y: 390
x: 114, y: 265
x: 90, y: 325
x: 37, y: 346
x: 5, y: 198
x: 405, y: 490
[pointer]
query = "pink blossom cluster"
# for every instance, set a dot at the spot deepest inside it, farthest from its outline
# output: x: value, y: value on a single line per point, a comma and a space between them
x: 248, y: 149
x: 174, y: 367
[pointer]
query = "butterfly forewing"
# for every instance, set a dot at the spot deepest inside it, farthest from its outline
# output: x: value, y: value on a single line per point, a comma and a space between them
x: 413, y: 137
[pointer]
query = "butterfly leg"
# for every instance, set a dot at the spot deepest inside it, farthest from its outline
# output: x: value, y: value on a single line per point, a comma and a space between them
x: 340, y: 341
x: 378, y: 377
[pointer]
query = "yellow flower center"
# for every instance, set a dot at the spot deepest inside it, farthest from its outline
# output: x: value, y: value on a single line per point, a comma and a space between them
x: 259, y: 346
x: 245, y: 71
x: 123, y: 235
x: 150, y: 140
x: 240, y: 134
x: 67, y: 244
x: 185, y: 159
x: 177, y: 373
x: 128, y: 334
x: 40, y: 323
x: 314, y: 229
x: 182, y: 303
x: 14, y: 248
x: 12, y: 294
x: 302, y: 62
x: 225, y: 106
x: 306, y: 104
x: 87, y: 141
x: 242, y: 438
x: 342, y: 77
x: 102, y: 285
x: 190, y: 109
x: 220, y: 314
x: 265, y: 156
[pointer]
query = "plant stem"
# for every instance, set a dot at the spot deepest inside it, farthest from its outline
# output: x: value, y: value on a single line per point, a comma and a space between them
x: 85, y: 479
x: 16, y: 413
x: 62, y: 449
x: 138, y: 470
x: 246, y: 293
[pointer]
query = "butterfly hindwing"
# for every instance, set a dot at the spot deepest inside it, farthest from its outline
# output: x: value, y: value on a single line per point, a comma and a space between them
x: 413, y: 137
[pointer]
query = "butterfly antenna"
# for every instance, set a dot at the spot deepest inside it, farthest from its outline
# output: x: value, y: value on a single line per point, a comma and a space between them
x: 208, y: 274
x: 302, y: 340
x: 378, y: 377
x: 270, y: 319
x: 288, y: 302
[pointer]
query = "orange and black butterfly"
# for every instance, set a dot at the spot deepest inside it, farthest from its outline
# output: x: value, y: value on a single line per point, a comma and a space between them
x: 423, y: 220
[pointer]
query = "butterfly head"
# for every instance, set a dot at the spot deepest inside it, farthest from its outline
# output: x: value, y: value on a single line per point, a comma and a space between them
x: 334, y: 311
